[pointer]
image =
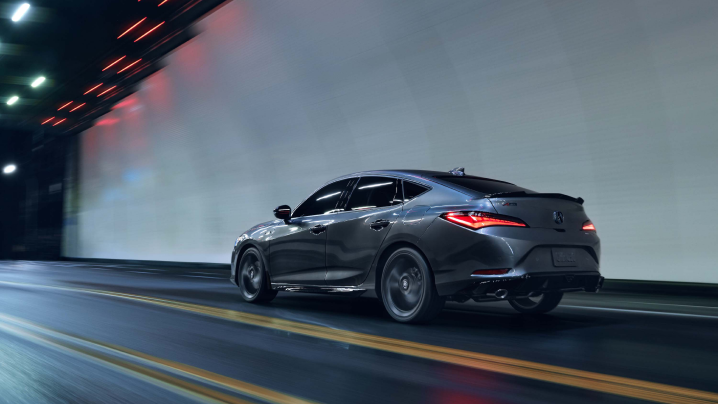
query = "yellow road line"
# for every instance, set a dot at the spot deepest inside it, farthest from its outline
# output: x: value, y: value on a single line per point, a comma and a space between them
x: 48, y: 335
x: 616, y: 385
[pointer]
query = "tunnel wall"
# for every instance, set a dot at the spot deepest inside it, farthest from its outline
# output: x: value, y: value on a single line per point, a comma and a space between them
x: 613, y: 101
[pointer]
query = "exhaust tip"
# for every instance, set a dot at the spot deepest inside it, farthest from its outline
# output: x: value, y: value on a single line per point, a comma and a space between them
x: 501, y: 293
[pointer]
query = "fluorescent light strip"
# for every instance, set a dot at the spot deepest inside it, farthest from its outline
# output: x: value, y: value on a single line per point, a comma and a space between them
x: 37, y: 82
x: 92, y: 89
x: 64, y: 105
x: 114, y: 63
x: 20, y: 12
x: 145, y: 34
x: 77, y: 107
x: 130, y: 65
x: 100, y: 94
x: 59, y: 122
x: 48, y: 120
x: 131, y: 28
x: 13, y: 100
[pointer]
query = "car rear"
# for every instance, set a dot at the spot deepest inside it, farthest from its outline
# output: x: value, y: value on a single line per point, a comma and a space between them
x: 519, y: 243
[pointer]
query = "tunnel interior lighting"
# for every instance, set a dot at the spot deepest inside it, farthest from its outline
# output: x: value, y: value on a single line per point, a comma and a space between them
x: 113, y: 63
x: 163, y: 2
x: 38, y: 81
x: 13, y: 100
x: 64, y: 105
x: 146, y: 33
x: 47, y: 120
x: 131, y: 28
x: 59, y: 122
x: 77, y: 107
x: 128, y: 66
x: 20, y: 12
x: 102, y: 93
x: 92, y: 89
x: 9, y: 169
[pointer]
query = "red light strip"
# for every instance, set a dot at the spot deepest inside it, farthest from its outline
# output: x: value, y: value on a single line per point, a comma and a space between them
x: 77, y: 107
x: 145, y: 34
x: 59, y: 122
x: 90, y: 90
x: 48, y: 120
x: 163, y: 3
x: 131, y: 28
x: 100, y: 94
x: 128, y: 66
x: 113, y: 63
x: 64, y: 105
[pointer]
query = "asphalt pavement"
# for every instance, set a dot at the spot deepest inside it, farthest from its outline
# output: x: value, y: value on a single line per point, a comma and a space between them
x: 80, y: 332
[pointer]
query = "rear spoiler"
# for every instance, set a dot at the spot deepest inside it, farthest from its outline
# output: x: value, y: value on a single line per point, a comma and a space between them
x: 523, y: 194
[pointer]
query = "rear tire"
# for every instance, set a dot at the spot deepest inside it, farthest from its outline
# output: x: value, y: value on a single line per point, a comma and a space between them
x: 539, y: 305
x: 252, y: 278
x: 407, y: 288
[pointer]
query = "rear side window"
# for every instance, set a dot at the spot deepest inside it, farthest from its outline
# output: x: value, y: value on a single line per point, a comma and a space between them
x: 412, y: 190
x: 323, y: 201
x: 375, y: 192
x: 482, y: 185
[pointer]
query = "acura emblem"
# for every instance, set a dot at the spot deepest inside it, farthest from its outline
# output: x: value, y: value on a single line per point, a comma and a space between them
x: 558, y: 217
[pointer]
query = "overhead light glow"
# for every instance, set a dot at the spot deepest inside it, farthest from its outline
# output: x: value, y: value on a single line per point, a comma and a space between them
x: 128, y: 66
x: 13, y: 100
x: 20, y: 12
x: 37, y: 82
x: 165, y: 1
x: 113, y: 63
x: 131, y: 28
x: 145, y: 34
x: 92, y: 89
x: 48, y: 120
x: 100, y: 94
x: 64, y: 105
x: 9, y: 169
x: 77, y: 107
x: 59, y: 122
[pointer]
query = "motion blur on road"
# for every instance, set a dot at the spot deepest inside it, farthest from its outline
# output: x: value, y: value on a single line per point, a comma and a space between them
x: 140, y: 139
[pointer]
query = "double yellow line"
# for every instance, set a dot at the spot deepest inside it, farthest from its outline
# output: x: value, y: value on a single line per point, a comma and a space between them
x: 621, y: 386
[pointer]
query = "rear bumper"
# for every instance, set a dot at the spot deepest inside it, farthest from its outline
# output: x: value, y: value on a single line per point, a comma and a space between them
x: 529, y: 284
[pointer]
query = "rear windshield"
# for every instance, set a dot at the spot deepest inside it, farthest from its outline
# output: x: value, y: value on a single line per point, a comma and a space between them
x: 482, y: 185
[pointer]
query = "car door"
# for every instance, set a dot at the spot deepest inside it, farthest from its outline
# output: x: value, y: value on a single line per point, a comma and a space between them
x: 357, y: 232
x: 297, y: 249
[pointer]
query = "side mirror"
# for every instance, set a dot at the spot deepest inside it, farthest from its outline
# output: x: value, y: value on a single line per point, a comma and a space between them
x: 283, y: 212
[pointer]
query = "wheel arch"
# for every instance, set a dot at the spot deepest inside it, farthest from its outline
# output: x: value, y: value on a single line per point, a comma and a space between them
x: 384, y: 256
x: 240, y: 252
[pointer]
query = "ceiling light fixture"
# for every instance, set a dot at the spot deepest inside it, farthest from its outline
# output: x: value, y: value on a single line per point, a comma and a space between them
x: 92, y: 89
x: 131, y: 28
x: 37, y: 82
x: 128, y: 66
x: 59, y: 122
x: 48, y: 120
x: 64, y: 105
x: 13, y: 100
x: 77, y: 107
x: 145, y: 34
x: 9, y: 169
x: 113, y: 63
x: 100, y: 94
x: 20, y: 12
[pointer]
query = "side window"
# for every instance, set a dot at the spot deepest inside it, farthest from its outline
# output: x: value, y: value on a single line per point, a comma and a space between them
x: 412, y: 190
x: 323, y: 201
x: 375, y: 192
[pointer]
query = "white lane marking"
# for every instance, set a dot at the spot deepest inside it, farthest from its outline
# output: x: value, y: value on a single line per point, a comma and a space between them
x: 664, y: 313
x: 195, y: 276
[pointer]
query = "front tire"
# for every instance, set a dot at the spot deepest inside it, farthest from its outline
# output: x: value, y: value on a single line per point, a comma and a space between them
x: 539, y: 305
x: 407, y: 288
x: 252, y: 278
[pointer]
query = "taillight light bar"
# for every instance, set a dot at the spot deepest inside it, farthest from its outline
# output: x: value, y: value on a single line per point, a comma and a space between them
x: 588, y: 226
x: 479, y: 220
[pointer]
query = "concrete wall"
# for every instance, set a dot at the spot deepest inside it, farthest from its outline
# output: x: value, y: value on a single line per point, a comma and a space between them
x: 613, y: 101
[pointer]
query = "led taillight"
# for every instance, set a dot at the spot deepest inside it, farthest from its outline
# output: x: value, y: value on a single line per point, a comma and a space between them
x: 479, y: 220
x: 588, y: 226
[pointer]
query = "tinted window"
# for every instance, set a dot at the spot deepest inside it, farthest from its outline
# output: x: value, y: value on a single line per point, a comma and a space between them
x: 482, y: 185
x: 412, y: 190
x: 323, y: 201
x: 375, y: 192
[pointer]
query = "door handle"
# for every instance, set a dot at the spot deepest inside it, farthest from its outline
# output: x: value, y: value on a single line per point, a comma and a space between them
x: 379, y: 224
x: 318, y: 229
